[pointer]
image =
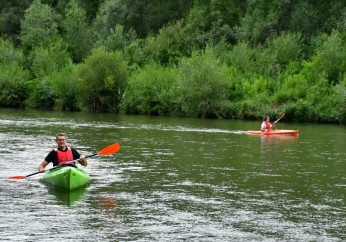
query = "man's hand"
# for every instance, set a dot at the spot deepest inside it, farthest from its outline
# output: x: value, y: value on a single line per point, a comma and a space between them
x: 82, y: 160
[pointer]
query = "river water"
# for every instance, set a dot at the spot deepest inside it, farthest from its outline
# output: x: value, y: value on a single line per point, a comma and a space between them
x: 174, y: 179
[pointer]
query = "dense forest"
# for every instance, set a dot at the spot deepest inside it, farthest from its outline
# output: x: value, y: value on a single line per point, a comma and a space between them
x: 229, y: 59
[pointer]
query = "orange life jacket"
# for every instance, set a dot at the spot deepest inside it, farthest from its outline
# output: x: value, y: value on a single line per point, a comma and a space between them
x: 64, y: 156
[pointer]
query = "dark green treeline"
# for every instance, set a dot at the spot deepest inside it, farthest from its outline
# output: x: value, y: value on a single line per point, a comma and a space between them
x: 226, y: 59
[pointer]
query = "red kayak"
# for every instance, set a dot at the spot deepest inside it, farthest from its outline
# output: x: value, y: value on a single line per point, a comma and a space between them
x: 274, y: 132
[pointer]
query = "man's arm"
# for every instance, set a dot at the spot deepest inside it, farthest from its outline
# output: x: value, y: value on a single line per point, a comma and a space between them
x: 263, y: 127
x: 42, y: 166
x: 81, y: 158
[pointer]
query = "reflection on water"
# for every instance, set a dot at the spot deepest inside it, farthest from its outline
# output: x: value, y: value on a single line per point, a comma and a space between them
x: 107, y: 204
x: 268, y: 141
x: 268, y: 138
x: 67, y: 197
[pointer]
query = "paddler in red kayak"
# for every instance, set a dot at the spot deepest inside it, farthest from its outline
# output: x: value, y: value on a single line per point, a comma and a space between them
x: 266, y: 125
x: 62, y: 155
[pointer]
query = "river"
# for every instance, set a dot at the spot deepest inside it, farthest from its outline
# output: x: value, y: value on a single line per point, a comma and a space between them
x: 174, y: 179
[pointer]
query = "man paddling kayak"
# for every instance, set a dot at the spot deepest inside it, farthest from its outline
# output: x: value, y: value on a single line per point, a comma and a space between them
x: 62, y: 155
x: 266, y: 125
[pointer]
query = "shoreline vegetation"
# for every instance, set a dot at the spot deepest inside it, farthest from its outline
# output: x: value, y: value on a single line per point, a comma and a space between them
x: 201, y: 59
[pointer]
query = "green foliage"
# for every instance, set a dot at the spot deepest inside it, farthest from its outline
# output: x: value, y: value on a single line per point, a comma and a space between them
x: 101, y: 79
x: 260, y: 20
x: 330, y: 56
x: 242, y: 57
x: 286, y: 48
x: 13, y: 88
x: 320, y: 96
x: 65, y: 88
x: 305, y: 101
x: 150, y: 91
x: 111, y: 13
x: 341, y: 23
x: 118, y: 39
x: 50, y: 58
x: 209, y: 22
x: 8, y: 53
x: 224, y: 59
x: 339, y: 103
x: 134, y: 54
x: 293, y: 88
x: 202, y: 85
x: 11, y: 14
x: 301, y: 111
x: 304, y: 18
x: 168, y: 46
x: 13, y: 76
x: 266, y: 63
x: 39, y: 25
x: 41, y: 94
x: 77, y: 32
x: 245, y: 109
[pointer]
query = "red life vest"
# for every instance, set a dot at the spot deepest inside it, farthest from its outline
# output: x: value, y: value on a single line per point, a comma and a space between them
x: 268, y: 125
x: 64, y: 156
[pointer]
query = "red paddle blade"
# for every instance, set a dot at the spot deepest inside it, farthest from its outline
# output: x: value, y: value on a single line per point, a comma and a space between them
x: 17, y: 177
x: 110, y: 149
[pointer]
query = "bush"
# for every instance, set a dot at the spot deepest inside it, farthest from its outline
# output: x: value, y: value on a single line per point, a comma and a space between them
x: 286, y: 47
x: 291, y: 88
x: 50, y: 58
x: 202, y: 85
x: 301, y: 111
x: 65, y: 88
x: 168, y: 46
x: 242, y: 57
x: 246, y: 109
x: 150, y: 91
x: 13, y: 84
x: 330, y: 56
x: 339, y: 103
x: 101, y: 81
x: 41, y: 94
x: 8, y: 53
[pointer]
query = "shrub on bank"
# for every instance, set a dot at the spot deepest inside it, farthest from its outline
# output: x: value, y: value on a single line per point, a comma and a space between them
x: 149, y: 91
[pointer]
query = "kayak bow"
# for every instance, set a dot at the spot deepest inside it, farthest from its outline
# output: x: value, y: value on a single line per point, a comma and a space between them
x: 67, y: 177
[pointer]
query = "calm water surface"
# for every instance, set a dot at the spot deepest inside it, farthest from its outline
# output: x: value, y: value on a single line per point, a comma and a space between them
x: 174, y: 180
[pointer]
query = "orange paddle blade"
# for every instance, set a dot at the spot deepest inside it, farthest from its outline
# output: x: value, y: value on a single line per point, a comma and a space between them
x: 17, y: 177
x: 110, y: 149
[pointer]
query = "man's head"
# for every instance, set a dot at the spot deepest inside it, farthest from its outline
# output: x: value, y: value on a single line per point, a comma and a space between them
x: 60, y: 139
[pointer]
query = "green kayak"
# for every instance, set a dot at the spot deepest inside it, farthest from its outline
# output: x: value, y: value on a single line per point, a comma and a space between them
x: 67, y: 177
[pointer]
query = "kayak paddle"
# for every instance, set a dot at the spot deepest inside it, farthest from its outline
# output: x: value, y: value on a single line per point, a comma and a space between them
x: 109, y: 150
x: 278, y: 119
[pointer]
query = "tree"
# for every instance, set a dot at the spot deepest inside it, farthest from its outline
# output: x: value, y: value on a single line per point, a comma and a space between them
x: 39, y: 25
x: 77, y: 32
x: 11, y: 13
